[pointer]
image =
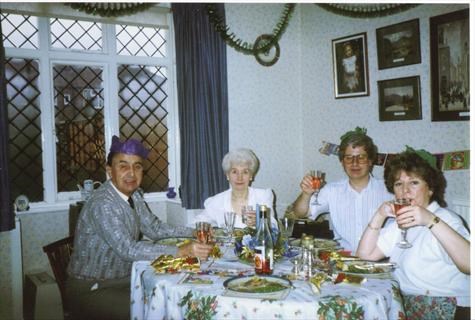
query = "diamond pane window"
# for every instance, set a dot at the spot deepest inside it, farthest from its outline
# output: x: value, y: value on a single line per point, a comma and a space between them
x: 142, y: 115
x: 19, y: 31
x: 76, y: 35
x: 141, y: 41
x: 24, y: 128
x: 79, y: 121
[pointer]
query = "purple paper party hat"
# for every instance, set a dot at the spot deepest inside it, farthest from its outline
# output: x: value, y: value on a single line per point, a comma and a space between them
x: 131, y: 146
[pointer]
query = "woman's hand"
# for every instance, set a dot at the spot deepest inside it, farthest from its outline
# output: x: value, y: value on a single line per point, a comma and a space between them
x: 413, y: 215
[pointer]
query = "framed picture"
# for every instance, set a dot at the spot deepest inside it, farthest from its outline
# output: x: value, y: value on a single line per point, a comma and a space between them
x: 350, y: 66
x: 400, y: 99
x: 449, y: 63
x: 398, y: 44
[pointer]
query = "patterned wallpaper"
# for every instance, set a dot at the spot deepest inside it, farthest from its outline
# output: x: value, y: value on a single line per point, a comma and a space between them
x: 285, y: 111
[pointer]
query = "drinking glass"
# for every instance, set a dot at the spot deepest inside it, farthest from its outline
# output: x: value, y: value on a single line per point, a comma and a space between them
x: 229, y: 221
x: 398, y: 204
x: 287, y: 228
x: 317, y: 182
x: 203, y: 230
x: 246, y: 212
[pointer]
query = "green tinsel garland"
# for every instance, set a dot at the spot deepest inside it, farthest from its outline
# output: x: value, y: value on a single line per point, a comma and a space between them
x: 366, y: 10
x: 105, y: 9
x: 248, y: 48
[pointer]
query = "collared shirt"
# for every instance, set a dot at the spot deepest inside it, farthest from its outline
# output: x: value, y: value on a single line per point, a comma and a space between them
x: 350, y: 211
x: 426, y: 268
x: 107, y: 236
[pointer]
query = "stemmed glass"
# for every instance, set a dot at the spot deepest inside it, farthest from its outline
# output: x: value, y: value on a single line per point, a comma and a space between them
x: 287, y: 228
x: 317, y: 182
x: 229, y: 221
x: 398, y: 204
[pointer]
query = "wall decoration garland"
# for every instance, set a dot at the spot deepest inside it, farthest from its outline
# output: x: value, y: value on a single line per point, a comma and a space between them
x: 366, y: 10
x: 454, y: 160
x: 265, y: 48
x: 107, y: 9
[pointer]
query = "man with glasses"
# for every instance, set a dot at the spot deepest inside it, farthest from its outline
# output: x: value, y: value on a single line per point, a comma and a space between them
x: 351, y: 201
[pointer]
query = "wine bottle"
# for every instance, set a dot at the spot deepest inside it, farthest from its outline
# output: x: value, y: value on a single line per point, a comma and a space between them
x: 264, y: 249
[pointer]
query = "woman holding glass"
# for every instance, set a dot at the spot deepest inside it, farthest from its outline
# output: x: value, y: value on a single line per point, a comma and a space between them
x: 240, y: 167
x: 434, y: 274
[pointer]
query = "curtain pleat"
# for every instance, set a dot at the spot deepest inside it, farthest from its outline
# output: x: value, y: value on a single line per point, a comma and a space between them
x: 202, y: 103
x: 7, y: 217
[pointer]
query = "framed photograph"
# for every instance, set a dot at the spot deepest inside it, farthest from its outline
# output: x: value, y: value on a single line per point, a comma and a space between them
x: 350, y: 66
x: 398, y: 44
x: 400, y: 99
x: 449, y: 63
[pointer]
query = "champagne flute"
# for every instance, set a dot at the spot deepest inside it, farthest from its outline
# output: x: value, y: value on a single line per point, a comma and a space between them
x: 398, y: 205
x: 229, y: 221
x: 287, y: 226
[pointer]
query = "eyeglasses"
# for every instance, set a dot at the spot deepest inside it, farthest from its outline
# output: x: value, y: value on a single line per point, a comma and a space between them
x: 360, y: 158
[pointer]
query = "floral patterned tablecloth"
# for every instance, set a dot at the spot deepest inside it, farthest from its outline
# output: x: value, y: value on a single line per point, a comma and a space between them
x: 179, y: 296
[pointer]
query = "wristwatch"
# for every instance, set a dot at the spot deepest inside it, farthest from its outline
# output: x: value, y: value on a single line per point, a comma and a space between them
x: 435, y: 221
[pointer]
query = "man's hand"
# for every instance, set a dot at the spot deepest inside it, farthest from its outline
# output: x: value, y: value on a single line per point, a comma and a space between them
x: 196, y: 249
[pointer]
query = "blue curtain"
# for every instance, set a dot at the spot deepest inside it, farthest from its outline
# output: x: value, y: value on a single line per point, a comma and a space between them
x: 7, y: 218
x: 202, y: 103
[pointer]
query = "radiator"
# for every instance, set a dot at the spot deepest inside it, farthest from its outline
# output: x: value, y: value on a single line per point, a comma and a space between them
x: 462, y: 207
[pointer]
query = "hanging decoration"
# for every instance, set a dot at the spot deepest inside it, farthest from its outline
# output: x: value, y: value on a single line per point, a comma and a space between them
x: 366, y: 10
x: 265, y: 48
x: 110, y: 9
x: 454, y: 160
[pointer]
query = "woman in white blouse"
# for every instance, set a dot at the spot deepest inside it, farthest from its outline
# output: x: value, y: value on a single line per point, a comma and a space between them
x: 240, y: 167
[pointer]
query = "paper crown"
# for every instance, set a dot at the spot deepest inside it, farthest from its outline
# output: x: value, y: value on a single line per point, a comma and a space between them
x: 357, y: 131
x: 427, y: 156
x: 131, y: 146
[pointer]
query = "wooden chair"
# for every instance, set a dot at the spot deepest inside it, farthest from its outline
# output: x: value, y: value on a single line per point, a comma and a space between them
x: 59, y: 253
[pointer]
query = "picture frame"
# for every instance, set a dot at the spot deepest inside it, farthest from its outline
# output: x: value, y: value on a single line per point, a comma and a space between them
x: 449, y: 63
x: 400, y: 99
x: 350, y: 66
x: 398, y: 44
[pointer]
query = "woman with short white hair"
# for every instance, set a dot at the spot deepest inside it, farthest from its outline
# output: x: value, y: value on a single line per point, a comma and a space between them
x: 240, y: 167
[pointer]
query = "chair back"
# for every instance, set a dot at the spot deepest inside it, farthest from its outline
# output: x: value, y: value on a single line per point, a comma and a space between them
x: 59, y: 253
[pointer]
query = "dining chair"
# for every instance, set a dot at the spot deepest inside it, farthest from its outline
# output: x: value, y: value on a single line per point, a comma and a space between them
x: 59, y: 253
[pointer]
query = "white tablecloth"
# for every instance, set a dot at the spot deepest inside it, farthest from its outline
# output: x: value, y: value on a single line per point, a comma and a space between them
x: 157, y: 296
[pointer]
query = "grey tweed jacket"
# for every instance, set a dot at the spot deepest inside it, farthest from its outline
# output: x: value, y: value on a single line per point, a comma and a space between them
x: 107, y: 236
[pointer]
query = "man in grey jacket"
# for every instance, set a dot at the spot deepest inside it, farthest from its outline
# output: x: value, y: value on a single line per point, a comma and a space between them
x: 107, y: 238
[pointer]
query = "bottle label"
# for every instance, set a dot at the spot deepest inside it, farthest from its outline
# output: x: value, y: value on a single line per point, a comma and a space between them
x: 259, y: 258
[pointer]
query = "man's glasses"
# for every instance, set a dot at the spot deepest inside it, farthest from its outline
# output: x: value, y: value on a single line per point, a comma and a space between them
x: 359, y: 158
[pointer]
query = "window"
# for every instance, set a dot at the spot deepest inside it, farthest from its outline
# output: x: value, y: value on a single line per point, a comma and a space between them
x: 71, y: 85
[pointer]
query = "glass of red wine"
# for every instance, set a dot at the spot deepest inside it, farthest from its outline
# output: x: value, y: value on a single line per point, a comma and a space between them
x: 398, y: 205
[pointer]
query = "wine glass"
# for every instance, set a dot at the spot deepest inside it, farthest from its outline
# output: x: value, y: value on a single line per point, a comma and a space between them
x: 287, y: 228
x: 202, y: 231
x: 399, y: 204
x: 248, y: 213
x: 229, y: 221
x: 317, y: 182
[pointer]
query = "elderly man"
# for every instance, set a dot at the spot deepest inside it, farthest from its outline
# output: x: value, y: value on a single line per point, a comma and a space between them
x: 351, y: 201
x: 107, y: 238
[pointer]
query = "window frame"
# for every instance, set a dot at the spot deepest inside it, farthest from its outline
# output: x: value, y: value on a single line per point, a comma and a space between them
x: 109, y: 61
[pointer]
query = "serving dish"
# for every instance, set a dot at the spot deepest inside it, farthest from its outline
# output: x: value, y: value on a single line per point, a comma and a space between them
x: 258, y: 287
x: 366, y: 267
x: 319, y: 243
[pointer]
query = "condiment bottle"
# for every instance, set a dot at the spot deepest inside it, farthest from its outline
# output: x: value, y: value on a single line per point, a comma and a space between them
x: 264, y: 249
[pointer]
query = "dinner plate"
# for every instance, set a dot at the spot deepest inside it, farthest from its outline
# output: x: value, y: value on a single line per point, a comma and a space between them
x: 258, y: 287
x: 318, y: 243
x: 172, y: 241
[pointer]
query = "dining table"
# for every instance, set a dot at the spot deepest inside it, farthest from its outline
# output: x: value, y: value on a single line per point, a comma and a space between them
x: 203, y: 295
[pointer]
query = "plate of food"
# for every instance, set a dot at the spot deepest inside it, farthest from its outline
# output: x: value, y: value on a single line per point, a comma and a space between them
x: 171, y: 264
x: 258, y: 287
x: 174, y: 241
x: 366, y: 267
